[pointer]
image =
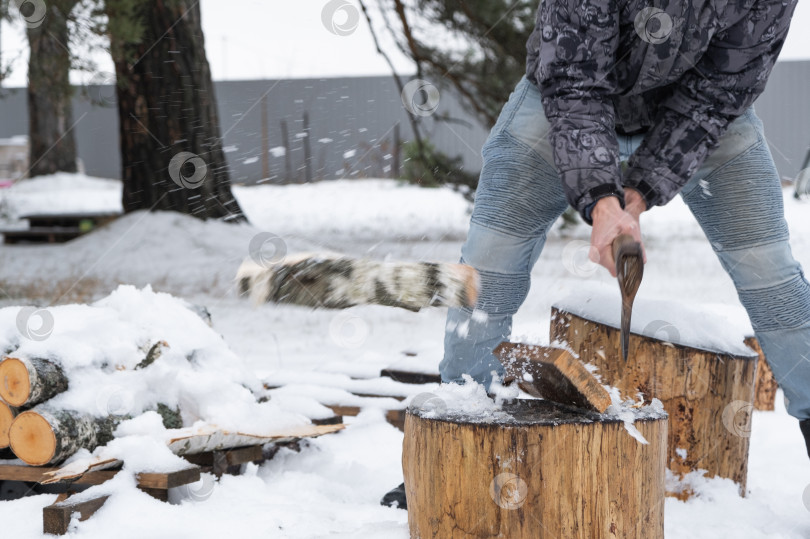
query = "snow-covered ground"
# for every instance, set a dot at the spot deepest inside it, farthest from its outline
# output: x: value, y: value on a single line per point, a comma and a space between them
x: 332, y: 487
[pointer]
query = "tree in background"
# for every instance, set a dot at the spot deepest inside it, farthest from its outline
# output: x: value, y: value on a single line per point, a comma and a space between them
x: 171, y: 148
x: 50, y: 109
x: 476, y: 47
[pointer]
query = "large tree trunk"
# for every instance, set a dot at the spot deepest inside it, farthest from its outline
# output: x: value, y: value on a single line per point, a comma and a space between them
x: 50, y: 111
x: 171, y: 149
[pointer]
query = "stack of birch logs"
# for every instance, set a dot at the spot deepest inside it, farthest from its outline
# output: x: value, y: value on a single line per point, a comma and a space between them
x: 41, y: 434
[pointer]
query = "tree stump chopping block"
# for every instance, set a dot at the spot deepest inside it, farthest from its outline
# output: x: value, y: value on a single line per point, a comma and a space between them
x: 536, y: 470
x: 709, y: 395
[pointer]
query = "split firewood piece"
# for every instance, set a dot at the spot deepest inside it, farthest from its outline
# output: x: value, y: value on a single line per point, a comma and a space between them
x: 26, y: 382
x: 190, y: 441
x: 7, y: 415
x: 336, y: 282
x: 553, y: 374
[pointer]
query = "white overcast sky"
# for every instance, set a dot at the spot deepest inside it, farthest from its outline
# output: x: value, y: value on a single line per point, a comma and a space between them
x: 254, y: 39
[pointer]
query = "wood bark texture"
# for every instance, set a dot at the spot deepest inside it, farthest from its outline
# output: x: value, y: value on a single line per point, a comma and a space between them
x: 45, y: 435
x: 337, y: 282
x: 7, y: 415
x: 171, y: 145
x: 550, y: 474
x: 709, y: 396
x: 50, y: 109
x: 26, y: 382
x: 766, y: 385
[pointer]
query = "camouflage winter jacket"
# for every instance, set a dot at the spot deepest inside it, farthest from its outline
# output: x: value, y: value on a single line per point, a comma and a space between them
x: 680, y: 72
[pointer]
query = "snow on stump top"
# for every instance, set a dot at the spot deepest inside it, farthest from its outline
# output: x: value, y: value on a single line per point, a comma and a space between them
x: 692, y: 359
x: 710, y: 327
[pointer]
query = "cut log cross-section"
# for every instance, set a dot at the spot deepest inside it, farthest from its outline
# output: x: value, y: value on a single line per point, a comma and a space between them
x: 544, y: 471
x: 45, y: 435
x: 707, y: 394
x: 26, y: 382
x: 7, y: 415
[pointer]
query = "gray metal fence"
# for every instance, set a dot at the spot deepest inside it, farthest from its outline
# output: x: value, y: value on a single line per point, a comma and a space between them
x: 351, y: 125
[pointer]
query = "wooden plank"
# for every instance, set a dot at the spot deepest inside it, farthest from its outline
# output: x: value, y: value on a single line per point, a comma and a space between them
x: 410, y: 377
x: 56, y: 517
x: 396, y: 418
x: 161, y: 494
x: 350, y: 411
x: 169, y: 480
x: 222, y: 462
x: 334, y: 420
x: 32, y: 474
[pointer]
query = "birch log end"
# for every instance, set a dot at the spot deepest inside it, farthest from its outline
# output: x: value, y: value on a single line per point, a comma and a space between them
x: 26, y: 382
x: 44, y: 435
x: 7, y: 414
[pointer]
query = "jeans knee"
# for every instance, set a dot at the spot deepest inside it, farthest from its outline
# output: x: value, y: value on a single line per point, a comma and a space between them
x: 771, y: 286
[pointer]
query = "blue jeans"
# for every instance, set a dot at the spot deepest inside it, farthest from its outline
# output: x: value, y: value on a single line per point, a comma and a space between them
x: 520, y: 196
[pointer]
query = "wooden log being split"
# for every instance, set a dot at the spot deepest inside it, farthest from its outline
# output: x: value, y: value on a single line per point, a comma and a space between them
x: 544, y: 471
x: 707, y: 394
x: 553, y: 374
x: 332, y: 282
x: 26, y: 382
x: 45, y: 435
x: 7, y: 415
x: 766, y: 386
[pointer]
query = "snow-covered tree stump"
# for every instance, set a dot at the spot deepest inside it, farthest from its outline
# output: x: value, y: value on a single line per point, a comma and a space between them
x: 538, y: 470
x: 708, y: 394
x: 26, y: 382
x: 766, y: 386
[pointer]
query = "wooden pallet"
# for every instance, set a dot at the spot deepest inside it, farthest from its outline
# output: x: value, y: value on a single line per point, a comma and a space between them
x: 411, y: 377
x: 56, y: 517
x: 56, y: 227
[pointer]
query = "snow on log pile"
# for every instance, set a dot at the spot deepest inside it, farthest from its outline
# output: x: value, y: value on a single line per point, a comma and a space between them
x: 136, y: 364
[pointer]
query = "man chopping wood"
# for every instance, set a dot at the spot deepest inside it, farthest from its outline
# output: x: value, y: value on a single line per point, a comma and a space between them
x: 623, y: 106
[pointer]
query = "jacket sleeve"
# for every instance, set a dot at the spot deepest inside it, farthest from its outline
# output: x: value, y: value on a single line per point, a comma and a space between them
x: 577, y: 52
x: 721, y: 86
